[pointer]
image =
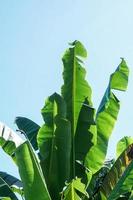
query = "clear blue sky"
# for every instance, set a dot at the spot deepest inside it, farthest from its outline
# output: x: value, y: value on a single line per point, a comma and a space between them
x: 33, y: 37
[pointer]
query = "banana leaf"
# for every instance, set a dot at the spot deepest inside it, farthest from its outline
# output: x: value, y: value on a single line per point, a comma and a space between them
x: 86, y: 133
x: 75, y: 190
x: 85, y: 138
x: 30, y: 128
x: 6, y: 191
x: 14, y: 183
x: 131, y: 196
x: 119, y: 179
x: 75, y: 89
x: 106, y: 117
x: 30, y: 172
x: 123, y: 144
x: 9, y: 140
x: 54, y: 141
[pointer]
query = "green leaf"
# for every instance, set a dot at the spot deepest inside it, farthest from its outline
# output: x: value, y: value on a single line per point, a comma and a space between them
x: 75, y: 89
x: 86, y: 133
x: 85, y: 138
x: 131, y: 196
x: 123, y: 144
x: 30, y: 171
x: 14, y: 183
x: 83, y: 173
x: 54, y: 141
x: 119, y: 179
x: 9, y: 140
x: 106, y: 117
x: 74, y: 190
x: 6, y: 191
x: 30, y: 128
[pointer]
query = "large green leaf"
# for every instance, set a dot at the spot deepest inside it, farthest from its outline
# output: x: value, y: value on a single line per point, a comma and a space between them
x: 123, y: 144
x: 74, y: 190
x: 14, y: 183
x: 119, y: 179
x: 75, y: 89
x: 54, y: 141
x: 85, y: 138
x: 6, y: 191
x: 106, y: 117
x: 31, y: 174
x: 86, y: 133
x: 30, y: 128
x: 9, y: 140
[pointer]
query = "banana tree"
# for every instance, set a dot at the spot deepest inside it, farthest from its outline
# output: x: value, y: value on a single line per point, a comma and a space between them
x: 64, y: 158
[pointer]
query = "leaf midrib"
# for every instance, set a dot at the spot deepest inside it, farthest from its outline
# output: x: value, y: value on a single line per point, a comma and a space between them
x: 73, y: 112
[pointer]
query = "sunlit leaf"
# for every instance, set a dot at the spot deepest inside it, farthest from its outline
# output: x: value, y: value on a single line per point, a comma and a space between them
x: 30, y: 172
x: 123, y: 144
x: 107, y: 116
x: 74, y: 190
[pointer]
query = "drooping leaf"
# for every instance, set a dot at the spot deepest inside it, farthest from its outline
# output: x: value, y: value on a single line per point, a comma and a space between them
x: 14, y: 183
x: 75, y: 89
x: 54, y: 141
x: 9, y: 140
x: 30, y: 128
x: 30, y: 171
x: 119, y: 179
x: 123, y: 144
x: 74, y: 190
x: 106, y: 117
x: 6, y: 191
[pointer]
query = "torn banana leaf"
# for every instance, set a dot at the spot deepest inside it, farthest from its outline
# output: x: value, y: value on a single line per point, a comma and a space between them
x: 119, y: 179
x: 107, y: 116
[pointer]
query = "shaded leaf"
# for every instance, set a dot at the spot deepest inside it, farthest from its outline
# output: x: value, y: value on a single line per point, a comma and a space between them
x: 131, y: 196
x: 85, y: 138
x: 14, y: 183
x: 86, y: 133
x: 54, y: 141
x: 30, y: 128
x: 83, y: 173
x: 5, y: 191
